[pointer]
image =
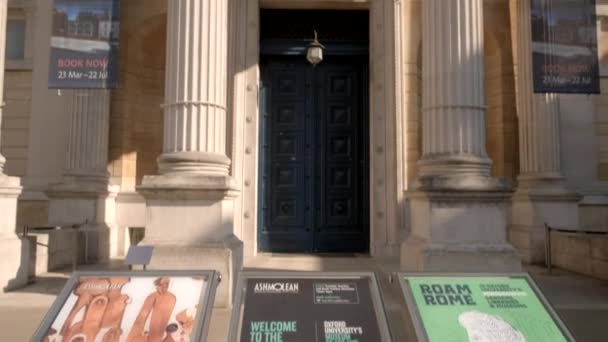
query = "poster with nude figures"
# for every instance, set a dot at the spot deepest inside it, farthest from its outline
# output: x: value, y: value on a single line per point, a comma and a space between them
x: 131, y: 307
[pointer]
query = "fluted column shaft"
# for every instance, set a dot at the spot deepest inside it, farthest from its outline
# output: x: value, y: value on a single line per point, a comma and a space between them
x: 453, y: 89
x: 195, y: 88
x: 3, y: 11
x: 88, y: 134
x: 539, y: 145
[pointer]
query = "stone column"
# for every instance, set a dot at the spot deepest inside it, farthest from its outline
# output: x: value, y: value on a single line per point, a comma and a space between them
x: 453, y: 109
x: 89, y: 128
x: 195, y: 88
x: 458, y: 213
x: 13, y: 257
x: 542, y: 195
x: 82, y: 195
x: 190, y: 204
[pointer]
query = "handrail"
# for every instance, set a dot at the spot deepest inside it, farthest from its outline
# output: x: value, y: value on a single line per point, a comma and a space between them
x: 75, y: 226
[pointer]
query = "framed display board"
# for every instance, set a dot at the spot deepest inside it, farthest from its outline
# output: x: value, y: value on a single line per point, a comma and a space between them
x: 131, y: 306
x: 308, y: 306
x: 480, y: 307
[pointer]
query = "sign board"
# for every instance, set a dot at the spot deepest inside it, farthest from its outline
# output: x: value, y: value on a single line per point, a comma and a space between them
x: 306, y: 306
x: 131, y: 306
x: 139, y: 255
x: 564, y: 44
x: 84, y: 44
x: 480, y: 307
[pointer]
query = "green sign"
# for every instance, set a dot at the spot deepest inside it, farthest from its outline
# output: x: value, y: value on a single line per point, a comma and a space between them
x: 481, y: 308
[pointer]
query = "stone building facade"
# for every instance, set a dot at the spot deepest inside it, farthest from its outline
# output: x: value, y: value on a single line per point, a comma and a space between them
x: 461, y: 165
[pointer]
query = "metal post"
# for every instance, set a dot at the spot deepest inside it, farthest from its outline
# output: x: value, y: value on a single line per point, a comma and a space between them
x: 76, y: 248
x: 548, y: 247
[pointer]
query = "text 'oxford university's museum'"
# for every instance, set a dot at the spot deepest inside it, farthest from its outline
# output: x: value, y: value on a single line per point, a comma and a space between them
x: 417, y: 143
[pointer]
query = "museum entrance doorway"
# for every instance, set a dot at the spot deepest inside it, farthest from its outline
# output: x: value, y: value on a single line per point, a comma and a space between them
x: 314, y: 136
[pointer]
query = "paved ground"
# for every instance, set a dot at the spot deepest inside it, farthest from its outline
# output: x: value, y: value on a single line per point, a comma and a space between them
x: 582, y: 302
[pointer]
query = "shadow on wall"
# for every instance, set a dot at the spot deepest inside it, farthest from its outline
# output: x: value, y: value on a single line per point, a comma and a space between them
x: 136, y: 124
x: 502, y: 137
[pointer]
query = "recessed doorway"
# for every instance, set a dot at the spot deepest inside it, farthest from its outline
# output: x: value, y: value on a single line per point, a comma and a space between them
x: 314, y: 133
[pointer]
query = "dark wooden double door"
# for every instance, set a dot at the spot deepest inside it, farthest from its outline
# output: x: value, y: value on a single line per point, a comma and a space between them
x: 314, y: 166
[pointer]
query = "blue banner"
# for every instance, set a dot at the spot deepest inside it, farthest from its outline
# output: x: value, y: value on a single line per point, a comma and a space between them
x: 84, y: 44
x: 564, y: 44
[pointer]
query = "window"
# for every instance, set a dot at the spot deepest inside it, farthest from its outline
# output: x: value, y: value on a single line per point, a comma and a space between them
x: 19, y: 35
x: 15, y: 39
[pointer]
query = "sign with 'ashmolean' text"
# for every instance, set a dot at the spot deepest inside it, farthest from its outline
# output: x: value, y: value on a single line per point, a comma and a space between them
x: 564, y: 44
x: 498, y: 308
x: 319, y: 307
x: 84, y: 44
x: 131, y: 306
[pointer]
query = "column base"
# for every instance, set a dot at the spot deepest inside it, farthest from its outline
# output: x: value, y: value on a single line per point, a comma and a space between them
x: 540, y: 200
x: 457, y: 173
x: 458, y: 231
x: 202, y: 163
x: 190, y: 223
x: 78, y: 203
x: 420, y: 255
x: 14, y: 266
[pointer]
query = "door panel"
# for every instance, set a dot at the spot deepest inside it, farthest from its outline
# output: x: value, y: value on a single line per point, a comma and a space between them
x: 341, y: 227
x: 314, y: 135
x: 285, y: 218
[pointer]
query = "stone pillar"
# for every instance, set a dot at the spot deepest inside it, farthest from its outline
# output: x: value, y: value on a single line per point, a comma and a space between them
x: 82, y: 195
x: 542, y: 195
x: 89, y: 128
x: 13, y: 255
x: 190, y: 204
x: 453, y: 108
x: 458, y: 210
x: 195, y: 89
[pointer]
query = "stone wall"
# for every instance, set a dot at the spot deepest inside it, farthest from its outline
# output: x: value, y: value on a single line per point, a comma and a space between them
x: 586, y: 254
x: 501, y: 114
x: 593, y: 217
x: 136, y: 114
x: 16, y: 121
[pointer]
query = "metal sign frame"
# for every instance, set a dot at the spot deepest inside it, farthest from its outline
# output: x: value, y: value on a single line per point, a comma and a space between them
x: 241, y: 286
x: 416, y: 318
x: 205, y: 304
